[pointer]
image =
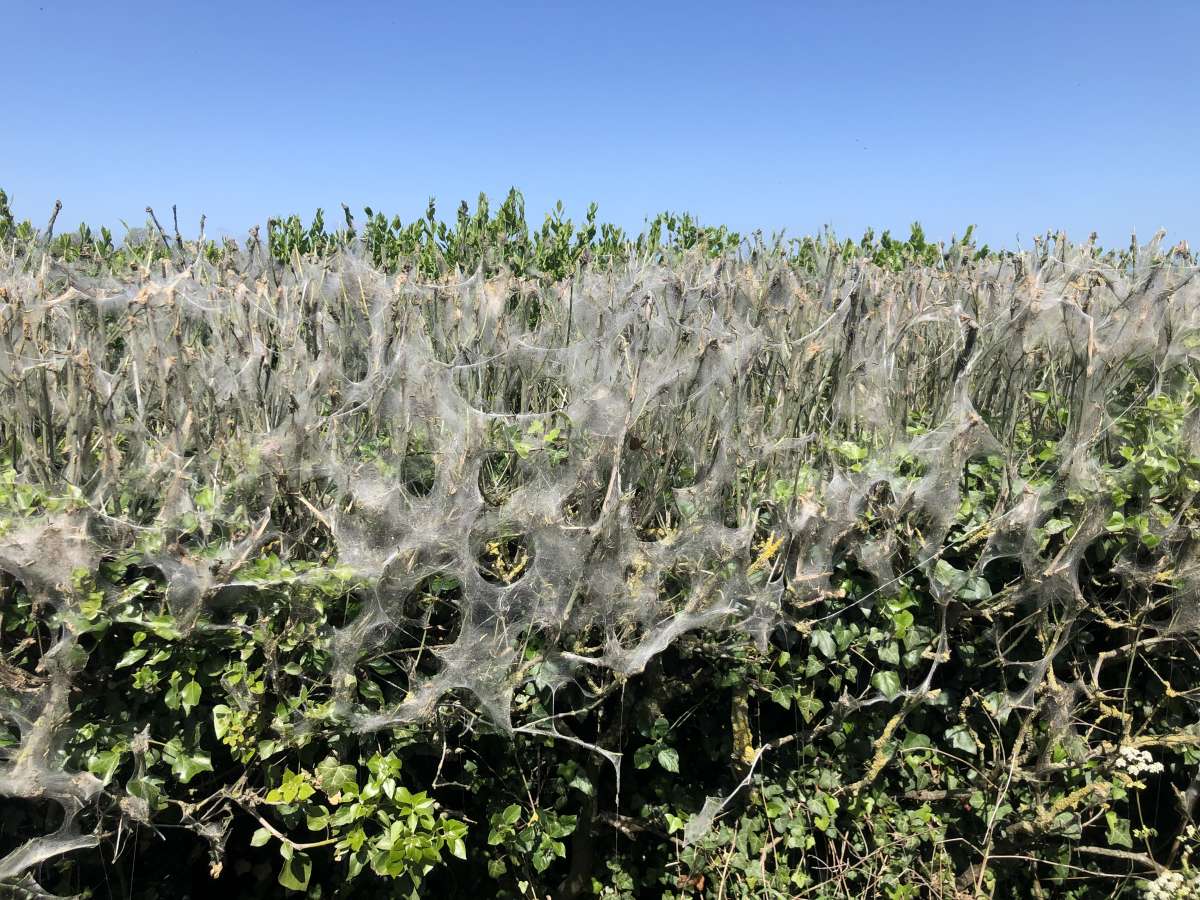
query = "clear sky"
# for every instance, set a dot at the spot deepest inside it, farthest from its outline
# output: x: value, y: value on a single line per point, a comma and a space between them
x: 1017, y: 117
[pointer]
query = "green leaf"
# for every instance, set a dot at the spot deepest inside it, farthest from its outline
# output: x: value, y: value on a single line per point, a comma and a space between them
x: 296, y: 871
x: 221, y: 716
x: 975, y: 588
x: 1054, y: 526
x: 131, y: 657
x: 852, y: 451
x: 104, y: 763
x: 581, y: 783
x: 915, y: 740
x: 960, y: 739
x: 1118, y: 830
x: 901, y: 622
x: 190, y: 695
x: 809, y: 707
x: 134, y: 590
x: 824, y: 642
x: 260, y: 837
x: 334, y: 777
x: 164, y: 627
x: 511, y: 814
x: 90, y: 606
x: 370, y: 690
x: 643, y: 756
x: 946, y: 574
x: 146, y: 788
x: 887, y: 683
x: 668, y: 758
x: 188, y: 766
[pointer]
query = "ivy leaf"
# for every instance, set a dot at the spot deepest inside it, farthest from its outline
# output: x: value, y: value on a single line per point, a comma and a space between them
x: 582, y: 784
x: 370, y: 690
x: 890, y: 653
x: 887, y: 683
x: 1118, y: 830
x: 1054, y: 526
x: 188, y: 766
x: 946, y: 574
x: 145, y: 788
x: 960, y: 739
x: 134, y: 590
x: 901, y: 622
x: 809, y: 706
x: 852, y: 451
x: 824, y: 642
x: 914, y: 740
x: 103, y: 764
x: 91, y: 605
x: 333, y: 777
x: 659, y: 729
x: 975, y: 588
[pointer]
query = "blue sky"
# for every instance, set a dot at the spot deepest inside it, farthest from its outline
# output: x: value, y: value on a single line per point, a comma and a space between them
x: 1017, y: 117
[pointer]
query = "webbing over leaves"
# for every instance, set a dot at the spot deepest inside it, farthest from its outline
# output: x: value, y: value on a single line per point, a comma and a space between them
x: 601, y: 464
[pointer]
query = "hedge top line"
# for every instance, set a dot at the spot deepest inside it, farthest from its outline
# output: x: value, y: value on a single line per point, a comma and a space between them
x: 504, y: 238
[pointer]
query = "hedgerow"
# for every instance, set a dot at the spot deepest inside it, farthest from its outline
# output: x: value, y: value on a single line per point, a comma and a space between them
x: 447, y: 559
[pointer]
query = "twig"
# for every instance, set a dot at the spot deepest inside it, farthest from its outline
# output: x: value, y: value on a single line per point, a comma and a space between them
x: 1130, y: 855
x: 162, y: 234
x: 53, y: 216
x: 280, y: 835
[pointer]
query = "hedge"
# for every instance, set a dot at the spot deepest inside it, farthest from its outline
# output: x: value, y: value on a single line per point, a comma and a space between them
x: 679, y: 566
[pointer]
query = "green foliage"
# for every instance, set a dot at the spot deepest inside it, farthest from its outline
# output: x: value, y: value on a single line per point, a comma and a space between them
x: 372, y: 821
x: 480, y: 238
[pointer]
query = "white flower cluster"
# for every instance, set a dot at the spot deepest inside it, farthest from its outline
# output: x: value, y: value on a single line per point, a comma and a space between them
x: 1174, y: 886
x: 1135, y: 762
